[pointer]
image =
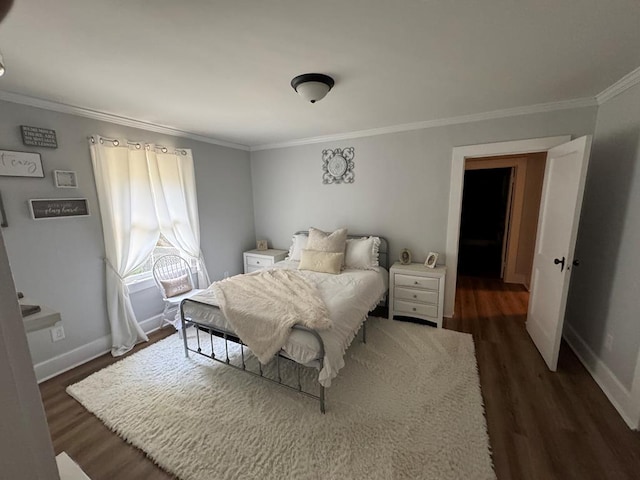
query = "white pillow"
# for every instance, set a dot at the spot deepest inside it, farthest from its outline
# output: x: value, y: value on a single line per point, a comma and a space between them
x: 328, y: 242
x: 298, y: 243
x: 323, y: 262
x: 362, y: 253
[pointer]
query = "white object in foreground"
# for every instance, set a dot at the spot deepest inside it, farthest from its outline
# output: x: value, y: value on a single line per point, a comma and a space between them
x: 406, y: 405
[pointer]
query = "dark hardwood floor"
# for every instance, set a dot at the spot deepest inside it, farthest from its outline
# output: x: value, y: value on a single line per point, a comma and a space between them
x: 98, y: 451
x: 542, y: 425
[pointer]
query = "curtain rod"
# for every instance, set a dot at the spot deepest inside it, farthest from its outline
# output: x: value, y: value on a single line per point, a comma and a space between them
x: 138, y: 145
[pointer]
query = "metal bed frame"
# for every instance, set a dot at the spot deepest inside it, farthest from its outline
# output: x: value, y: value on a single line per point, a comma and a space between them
x: 228, y: 336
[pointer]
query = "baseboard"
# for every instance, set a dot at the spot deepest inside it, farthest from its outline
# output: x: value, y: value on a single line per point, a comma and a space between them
x: 68, y: 360
x: 619, y: 396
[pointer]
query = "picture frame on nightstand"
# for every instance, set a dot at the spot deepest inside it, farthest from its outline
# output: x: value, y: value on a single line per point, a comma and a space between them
x: 431, y: 260
x: 405, y: 256
x: 261, y: 245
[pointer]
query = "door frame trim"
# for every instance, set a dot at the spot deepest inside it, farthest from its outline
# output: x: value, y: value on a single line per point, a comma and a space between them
x: 459, y: 154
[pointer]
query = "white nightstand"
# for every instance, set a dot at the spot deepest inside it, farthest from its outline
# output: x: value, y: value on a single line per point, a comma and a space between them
x: 257, y: 259
x: 416, y: 291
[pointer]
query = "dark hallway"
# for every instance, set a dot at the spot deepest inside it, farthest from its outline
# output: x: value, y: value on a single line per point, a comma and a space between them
x: 483, y: 222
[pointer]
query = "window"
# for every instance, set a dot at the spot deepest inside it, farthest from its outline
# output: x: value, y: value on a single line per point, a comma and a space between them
x: 162, y: 248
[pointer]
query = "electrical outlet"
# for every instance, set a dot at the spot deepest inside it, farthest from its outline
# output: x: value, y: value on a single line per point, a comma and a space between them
x: 608, y: 342
x: 57, y: 333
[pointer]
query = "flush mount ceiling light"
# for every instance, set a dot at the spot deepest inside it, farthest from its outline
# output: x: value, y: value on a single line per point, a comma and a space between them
x: 312, y: 86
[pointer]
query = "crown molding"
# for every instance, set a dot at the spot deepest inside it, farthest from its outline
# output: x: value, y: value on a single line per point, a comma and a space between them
x: 130, y: 122
x: 626, y: 82
x: 117, y: 119
x: 476, y: 117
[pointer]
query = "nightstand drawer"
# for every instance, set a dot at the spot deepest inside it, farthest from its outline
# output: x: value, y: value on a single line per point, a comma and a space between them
x: 415, y: 281
x: 259, y: 261
x: 415, y: 295
x: 410, y: 308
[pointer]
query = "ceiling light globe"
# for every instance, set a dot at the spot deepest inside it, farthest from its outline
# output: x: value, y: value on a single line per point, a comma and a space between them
x: 312, y: 86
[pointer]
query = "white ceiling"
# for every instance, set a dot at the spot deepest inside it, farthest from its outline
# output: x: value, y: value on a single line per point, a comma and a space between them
x: 221, y: 69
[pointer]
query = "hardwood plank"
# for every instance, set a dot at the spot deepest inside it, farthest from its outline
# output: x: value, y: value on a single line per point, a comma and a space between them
x: 541, y: 424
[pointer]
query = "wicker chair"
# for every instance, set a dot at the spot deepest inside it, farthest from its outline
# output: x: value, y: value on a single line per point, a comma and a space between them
x: 174, y: 278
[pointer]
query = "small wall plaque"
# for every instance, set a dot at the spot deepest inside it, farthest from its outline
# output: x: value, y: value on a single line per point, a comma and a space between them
x: 39, y: 137
x: 65, y: 179
x: 337, y: 165
x: 58, y: 207
x: 20, y: 164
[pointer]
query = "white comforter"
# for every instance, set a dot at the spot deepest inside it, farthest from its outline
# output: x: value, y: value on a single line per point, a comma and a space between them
x: 263, y: 306
x: 348, y: 296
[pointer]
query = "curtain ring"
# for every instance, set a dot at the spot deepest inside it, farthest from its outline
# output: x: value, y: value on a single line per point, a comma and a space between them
x: 164, y: 149
x: 184, y: 152
x: 138, y: 146
x: 101, y: 140
x: 92, y: 140
x: 116, y: 143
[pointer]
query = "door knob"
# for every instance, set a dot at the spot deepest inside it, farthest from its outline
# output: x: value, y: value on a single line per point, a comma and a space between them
x: 557, y: 261
x: 576, y: 262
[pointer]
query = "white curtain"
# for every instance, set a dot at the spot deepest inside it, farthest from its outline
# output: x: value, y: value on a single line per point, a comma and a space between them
x: 173, y: 183
x: 130, y: 226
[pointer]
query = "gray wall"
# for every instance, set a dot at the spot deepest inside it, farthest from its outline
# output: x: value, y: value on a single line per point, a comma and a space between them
x: 605, y: 288
x: 59, y: 262
x: 401, y: 188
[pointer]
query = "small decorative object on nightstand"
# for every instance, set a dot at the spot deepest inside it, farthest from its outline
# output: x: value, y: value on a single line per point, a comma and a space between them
x: 416, y: 291
x: 258, y: 259
x: 261, y: 245
x: 405, y: 256
x: 431, y: 260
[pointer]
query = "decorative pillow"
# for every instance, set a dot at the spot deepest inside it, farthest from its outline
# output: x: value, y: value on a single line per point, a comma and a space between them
x: 176, y: 286
x: 362, y: 253
x: 298, y: 243
x: 324, y: 262
x: 327, y: 242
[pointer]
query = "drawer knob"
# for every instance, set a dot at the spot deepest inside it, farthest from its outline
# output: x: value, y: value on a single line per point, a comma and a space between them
x: 415, y: 296
x: 416, y: 283
x: 414, y: 309
x: 258, y: 262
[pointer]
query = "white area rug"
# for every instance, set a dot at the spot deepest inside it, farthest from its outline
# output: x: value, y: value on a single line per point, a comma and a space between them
x: 407, y: 405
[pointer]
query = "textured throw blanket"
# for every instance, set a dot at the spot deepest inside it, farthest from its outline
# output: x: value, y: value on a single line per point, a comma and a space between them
x: 261, y: 307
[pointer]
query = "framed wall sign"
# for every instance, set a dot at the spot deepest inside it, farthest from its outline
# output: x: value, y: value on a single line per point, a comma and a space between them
x: 20, y: 164
x: 65, y: 179
x: 58, y: 207
x: 38, y: 137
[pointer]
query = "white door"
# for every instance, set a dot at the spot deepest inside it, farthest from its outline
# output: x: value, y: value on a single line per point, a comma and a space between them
x: 562, y: 191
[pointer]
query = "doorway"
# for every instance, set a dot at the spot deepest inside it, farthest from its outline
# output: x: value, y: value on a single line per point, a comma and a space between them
x: 483, y: 222
x: 459, y: 156
x: 503, y: 198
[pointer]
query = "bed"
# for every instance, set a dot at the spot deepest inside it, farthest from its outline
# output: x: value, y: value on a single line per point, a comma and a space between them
x: 349, y: 296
